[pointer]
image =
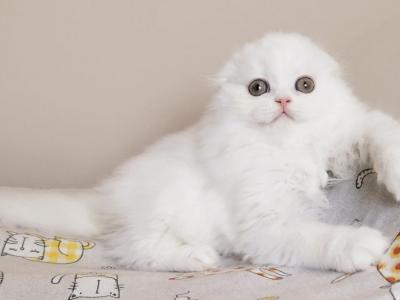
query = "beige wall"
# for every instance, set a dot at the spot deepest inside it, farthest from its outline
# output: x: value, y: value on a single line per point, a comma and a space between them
x: 86, y: 84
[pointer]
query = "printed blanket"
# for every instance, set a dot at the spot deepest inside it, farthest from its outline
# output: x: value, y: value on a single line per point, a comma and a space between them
x: 37, y: 266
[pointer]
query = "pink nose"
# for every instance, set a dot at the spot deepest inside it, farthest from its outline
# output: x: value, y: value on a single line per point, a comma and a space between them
x: 283, y: 102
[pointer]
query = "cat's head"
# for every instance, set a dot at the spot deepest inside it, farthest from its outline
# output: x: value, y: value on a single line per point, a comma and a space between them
x: 281, y: 79
x: 24, y: 245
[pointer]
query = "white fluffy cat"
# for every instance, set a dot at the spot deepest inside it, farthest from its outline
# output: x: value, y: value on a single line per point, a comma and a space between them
x: 246, y: 179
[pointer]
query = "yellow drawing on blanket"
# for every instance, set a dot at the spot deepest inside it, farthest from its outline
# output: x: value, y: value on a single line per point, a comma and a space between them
x: 37, y: 248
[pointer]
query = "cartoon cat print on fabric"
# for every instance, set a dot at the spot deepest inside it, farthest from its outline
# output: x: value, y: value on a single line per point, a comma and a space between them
x: 37, y: 248
x: 92, y: 285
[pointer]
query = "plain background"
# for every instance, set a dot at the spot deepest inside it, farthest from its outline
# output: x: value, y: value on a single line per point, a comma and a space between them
x: 86, y: 84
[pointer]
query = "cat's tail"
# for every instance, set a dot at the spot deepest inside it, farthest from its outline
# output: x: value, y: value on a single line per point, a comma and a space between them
x: 61, y: 212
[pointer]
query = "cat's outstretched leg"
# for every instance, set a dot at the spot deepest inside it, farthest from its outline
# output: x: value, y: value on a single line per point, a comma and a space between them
x: 314, y: 244
x: 383, y: 142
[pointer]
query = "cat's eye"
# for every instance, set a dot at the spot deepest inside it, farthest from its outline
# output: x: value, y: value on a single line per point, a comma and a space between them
x: 305, y: 84
x: 258, y: 87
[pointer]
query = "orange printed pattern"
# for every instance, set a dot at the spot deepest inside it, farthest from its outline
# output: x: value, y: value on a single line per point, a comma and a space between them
x: 389, y: 266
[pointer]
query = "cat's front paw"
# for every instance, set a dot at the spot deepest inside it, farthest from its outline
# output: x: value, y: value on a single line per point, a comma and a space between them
x: 199, y: 259
x: 361, y: 248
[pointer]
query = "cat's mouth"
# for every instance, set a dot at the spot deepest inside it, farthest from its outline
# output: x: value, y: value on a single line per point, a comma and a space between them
x: 274, y: 118
x: 282, y: 115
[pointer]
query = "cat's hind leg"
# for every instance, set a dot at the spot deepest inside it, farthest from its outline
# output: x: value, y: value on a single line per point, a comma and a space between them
x: 176, y: 224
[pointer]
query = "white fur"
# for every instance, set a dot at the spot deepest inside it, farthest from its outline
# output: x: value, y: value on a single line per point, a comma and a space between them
x: 242, y: 182
x: 51, y: 211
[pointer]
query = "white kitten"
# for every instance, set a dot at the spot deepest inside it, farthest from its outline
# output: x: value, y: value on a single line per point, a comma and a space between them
x: 247, y: 178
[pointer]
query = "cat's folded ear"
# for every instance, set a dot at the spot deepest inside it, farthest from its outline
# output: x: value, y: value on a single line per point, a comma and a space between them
x: 222, y: 77
x: 231, y: 68
x: 218, y: 79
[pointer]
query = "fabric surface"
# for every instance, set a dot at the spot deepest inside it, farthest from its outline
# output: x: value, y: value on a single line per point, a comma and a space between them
x: 39, y: 266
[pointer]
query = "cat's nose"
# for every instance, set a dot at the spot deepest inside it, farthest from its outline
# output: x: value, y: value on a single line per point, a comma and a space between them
x: 283, y: 101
